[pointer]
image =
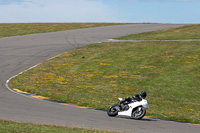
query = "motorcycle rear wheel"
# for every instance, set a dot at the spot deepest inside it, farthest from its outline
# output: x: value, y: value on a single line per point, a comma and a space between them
x: 138, y: 113
x: 112, y: 111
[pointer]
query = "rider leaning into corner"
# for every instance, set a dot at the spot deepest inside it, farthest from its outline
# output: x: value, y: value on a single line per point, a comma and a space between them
x: 136, y: 97
x: 134, y: 107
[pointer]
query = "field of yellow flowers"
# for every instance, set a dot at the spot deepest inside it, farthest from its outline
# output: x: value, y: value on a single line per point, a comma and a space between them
x: 95, y: 75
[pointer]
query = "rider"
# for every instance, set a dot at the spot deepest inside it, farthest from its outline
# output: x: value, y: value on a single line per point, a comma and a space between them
x: 137, y: 97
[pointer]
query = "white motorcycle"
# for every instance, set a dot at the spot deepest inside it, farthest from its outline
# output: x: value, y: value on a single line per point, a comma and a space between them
x: 131, y: 108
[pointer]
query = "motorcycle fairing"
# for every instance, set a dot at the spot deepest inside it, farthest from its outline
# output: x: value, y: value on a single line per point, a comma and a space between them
x: 133, y: 106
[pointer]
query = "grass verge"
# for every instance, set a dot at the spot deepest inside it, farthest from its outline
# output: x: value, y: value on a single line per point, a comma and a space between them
x: 180, y: 33
x: 14, y: 127
x: 168, y: 71
x: 14, y: 29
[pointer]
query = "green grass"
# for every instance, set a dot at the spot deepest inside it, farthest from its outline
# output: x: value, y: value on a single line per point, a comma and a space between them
x: 180, y: 33
x: 14, y: 127
x: 168, y: 71
x: 14, y: 29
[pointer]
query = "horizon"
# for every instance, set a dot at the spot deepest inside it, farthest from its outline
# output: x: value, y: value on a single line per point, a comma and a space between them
x: 100, y: 11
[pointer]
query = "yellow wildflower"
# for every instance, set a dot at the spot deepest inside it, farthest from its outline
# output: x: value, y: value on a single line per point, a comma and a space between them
x: 90, y: 75
x: 66, y: 54
x: 113, y: 85
x: 113, y: 76
x: 135, y: 76
x: 112, y: 82
x: 188, y: 62
x: 149, y: 67
x: 104, y: 64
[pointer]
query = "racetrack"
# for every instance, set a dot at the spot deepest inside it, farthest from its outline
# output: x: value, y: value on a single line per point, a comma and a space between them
x: 22, y: 52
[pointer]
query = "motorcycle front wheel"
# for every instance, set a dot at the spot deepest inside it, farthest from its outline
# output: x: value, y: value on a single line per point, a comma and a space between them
x: 113, y: 110
x: 138, y: 113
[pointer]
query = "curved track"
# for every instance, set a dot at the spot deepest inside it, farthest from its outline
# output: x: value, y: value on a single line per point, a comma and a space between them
x: 22, y: 52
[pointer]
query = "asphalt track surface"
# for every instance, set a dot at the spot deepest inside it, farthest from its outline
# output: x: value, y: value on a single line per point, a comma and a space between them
x: 22, y: 52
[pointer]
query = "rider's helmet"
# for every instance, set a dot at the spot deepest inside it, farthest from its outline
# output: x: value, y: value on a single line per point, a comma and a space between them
x: 143, y: 94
